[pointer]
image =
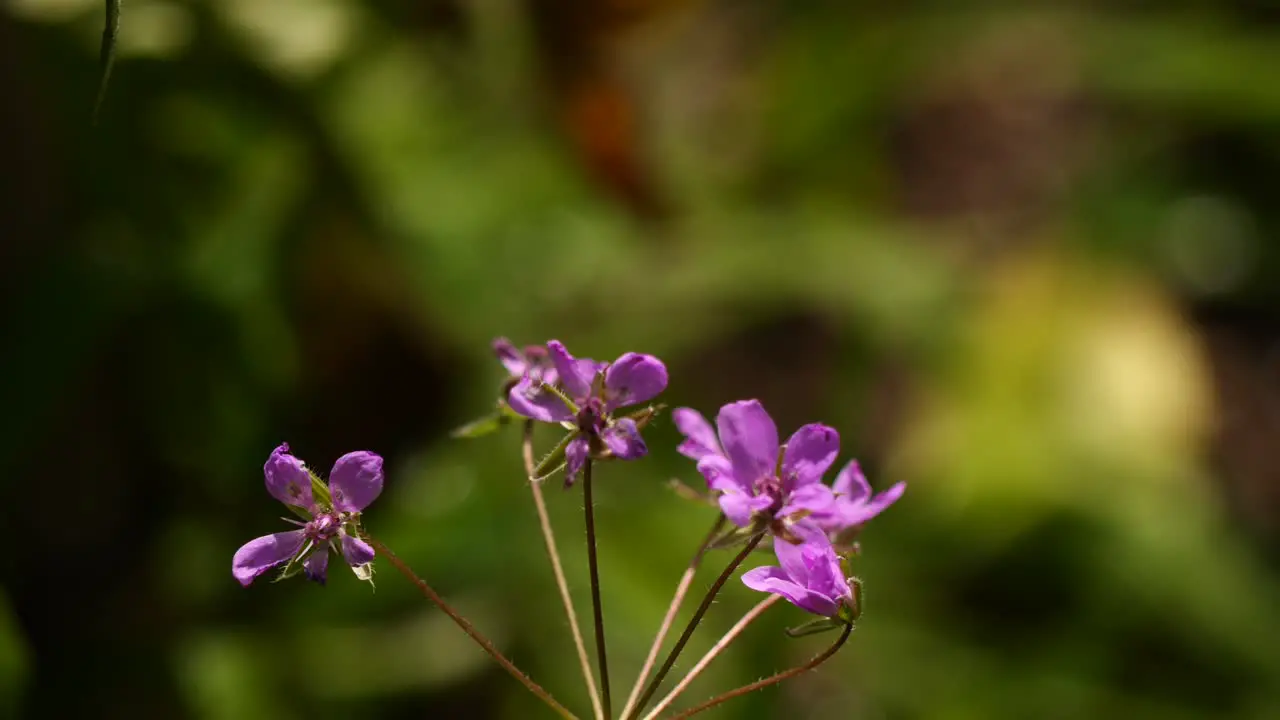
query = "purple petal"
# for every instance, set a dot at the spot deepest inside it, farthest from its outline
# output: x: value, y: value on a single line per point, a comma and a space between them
x: 356, y: 551
x: 816, y: 499
x: 719, y: 474
x: 510, y: 357
x: 739, y: 506
x: 575, y: 456
x: 810, y: 451
x: 826, y: 576
x: 700, y: 437
x: 529, y: 399
x: 791, y: 558
x: 632, y: 379
x: 624, y: 441
x: 316, y: 566
x: 576, y: 374
x: 261, y: 554
x: 287, y: 478
x: 772, y: 580
x: 851, y: 483
x: 856, y: 513
x: 355, y: 481
x: 749, y: 438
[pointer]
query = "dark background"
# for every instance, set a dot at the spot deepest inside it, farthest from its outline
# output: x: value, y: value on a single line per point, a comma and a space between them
x: 1021, y: 254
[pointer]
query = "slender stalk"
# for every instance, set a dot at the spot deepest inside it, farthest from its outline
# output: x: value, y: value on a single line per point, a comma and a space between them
x: 682, y: 588
x: 693, y: 623
x: 715, y: 651
x: 469, y: 629
x: 548, y: 536
x: 774, y: 680
x: 602, y: 656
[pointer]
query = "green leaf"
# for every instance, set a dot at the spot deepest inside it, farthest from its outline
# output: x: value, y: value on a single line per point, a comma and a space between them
x: 553, y: 460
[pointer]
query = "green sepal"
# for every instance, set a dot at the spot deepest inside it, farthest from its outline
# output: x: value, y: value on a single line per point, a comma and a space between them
x: 645, y: 415
x: 554, y: 460
x: 486, y: 425
x: 299, y: 511
x: 294, y: 566
x: 816, y: 626
x: 319, y: 491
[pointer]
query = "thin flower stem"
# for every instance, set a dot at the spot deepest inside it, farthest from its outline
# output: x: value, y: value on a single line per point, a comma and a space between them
x: 715, y: 651
x: 774, y: 680
x: 557, y: 569
x: 602, y: 655
x: 682, y: 588
x: 469, y: 629
x: 693, y: 623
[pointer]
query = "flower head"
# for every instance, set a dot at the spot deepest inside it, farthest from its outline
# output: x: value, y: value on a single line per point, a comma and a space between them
x: 745, y: 464
x: 588, y: 394
x: 810, y: 577
x: 332, y: 522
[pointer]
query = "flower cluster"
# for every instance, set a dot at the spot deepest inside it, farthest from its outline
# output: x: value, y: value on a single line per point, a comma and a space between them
x: 780, y: 489
x: 764, y: 488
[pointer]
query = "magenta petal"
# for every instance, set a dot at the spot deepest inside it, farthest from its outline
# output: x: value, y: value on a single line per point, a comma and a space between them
x: 529, y: 399
x: 737, y: 506
x: 719, y: 474
x: 576, y: 374
x: 287, y: 478
x: 575, y: 456
x: 261, y: 554
x: 510, y: 357
x: 356, y: 551
x: 749, y: 438
x: 816, y: 499
x: 316, y: 566
x: 791, y: 558
x: 851, y: 483
x: 857, y: 513
x: 700, y: 437
x: 774, y: 581
x: 810, y: 451
x: 624, y: 441
x: 632, y: 379
x: 355, y: 481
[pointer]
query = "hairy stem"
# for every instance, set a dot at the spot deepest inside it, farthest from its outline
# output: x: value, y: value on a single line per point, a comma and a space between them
x: 469, y: 629
x: 773, y: 680
x: 548, y: 536
x: 602, y: 656
x: 718, y: 648
x: 693, y: 622
x: 682, y: 588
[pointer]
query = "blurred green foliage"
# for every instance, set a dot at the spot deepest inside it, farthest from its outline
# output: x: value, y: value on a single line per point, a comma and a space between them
x: 1005, y: 248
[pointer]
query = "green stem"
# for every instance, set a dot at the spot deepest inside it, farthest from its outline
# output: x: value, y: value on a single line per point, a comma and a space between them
x: 774, y: 680
x: 469, y: 629
x: 693, y: 623
x: 602, y: 656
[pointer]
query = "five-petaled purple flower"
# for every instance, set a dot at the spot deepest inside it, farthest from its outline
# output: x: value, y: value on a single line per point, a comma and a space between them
x: 811, y: 576
x: 595, y: 390
x: 743, y: 463
x: 354, y: 482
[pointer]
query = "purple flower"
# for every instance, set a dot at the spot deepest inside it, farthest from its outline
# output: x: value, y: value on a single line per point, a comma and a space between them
x: 594, y: 391
x: 742, y: 462
x: 811, y: 576
x: 354, y: 483
x: 852, y: 503
x: 531, y: 362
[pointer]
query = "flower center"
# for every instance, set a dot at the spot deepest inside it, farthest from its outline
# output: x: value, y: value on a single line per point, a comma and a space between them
x: 591, y: 417
x: 323, y: 527
x: 770, y: 486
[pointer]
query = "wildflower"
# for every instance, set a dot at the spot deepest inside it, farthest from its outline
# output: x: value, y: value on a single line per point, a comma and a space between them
x: 589, y: 394
x: 810, y: 577
x: 332, y: 516
x: 852, y: 503
x: 743, y: 463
